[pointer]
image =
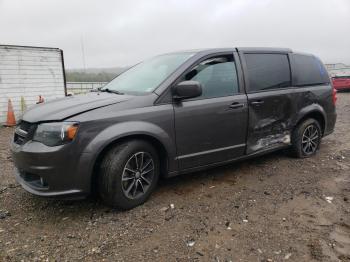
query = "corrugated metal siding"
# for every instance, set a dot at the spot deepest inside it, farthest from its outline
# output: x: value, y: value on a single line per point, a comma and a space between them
x: 29, y: 72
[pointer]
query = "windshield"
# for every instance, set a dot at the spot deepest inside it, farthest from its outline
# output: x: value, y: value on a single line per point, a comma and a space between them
x: 148, y: 75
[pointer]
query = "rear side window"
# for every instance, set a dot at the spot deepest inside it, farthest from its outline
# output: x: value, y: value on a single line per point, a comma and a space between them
x: 267, y: 71
x: 308, y: 70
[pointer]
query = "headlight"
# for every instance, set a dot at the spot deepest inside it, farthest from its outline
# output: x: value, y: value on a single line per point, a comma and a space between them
x: 54, y: 134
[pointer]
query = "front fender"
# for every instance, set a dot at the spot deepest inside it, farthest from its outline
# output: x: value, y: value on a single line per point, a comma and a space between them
x: 130, y: 128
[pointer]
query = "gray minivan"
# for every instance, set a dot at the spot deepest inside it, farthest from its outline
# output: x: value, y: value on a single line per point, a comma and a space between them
x: 173, y: 114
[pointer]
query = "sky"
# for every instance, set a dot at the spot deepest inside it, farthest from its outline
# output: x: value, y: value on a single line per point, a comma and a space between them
x: 115, y: 33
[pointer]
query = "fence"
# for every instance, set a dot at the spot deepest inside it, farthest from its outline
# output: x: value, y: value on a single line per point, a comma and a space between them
x: 83, y: 87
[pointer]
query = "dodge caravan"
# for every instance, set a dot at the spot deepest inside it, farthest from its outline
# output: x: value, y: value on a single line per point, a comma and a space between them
x: 172, y: 114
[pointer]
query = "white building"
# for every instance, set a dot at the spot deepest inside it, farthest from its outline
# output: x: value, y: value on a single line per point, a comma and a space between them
x: 29, y: 72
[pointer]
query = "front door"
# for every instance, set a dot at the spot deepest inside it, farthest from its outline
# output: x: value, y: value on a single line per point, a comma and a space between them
x: 211, y: 128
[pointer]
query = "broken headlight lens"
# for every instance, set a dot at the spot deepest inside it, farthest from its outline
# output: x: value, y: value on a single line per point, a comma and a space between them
x: 57, y: 133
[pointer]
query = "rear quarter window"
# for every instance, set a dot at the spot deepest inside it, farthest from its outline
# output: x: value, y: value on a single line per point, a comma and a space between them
x: 308, y: 70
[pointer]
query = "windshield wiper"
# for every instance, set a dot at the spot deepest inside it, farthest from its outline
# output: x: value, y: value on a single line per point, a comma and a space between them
x: 111, y: 91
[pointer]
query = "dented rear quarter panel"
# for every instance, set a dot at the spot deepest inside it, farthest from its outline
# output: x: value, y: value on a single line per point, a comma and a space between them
x: 316, y: 99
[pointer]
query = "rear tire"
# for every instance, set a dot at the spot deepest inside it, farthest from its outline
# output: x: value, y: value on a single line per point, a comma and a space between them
x: 128, y: 174
x: 306, y: 138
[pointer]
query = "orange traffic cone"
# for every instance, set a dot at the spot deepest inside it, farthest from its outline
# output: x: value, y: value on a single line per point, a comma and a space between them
x: 11, y: 120
x: 41, y: 100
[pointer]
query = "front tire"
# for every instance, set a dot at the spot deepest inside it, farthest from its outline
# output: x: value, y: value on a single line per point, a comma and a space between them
x: 128, y: 174
x: 306, y: 138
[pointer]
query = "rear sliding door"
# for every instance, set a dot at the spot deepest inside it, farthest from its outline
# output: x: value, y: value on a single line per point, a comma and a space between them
x: 270, y: 99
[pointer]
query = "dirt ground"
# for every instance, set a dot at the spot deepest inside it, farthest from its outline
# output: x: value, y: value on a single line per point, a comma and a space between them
x: 272, y: 208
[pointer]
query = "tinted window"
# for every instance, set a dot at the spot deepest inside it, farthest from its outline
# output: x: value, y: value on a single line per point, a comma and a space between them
x: 308, y: 70
x: 267, y: 71
x: 217, y: 75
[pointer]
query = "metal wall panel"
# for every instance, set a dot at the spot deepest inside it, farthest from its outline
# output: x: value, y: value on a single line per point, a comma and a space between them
x: 29, y: 72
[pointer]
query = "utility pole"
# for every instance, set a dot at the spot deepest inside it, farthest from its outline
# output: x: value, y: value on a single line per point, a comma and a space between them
x: 83, y: 53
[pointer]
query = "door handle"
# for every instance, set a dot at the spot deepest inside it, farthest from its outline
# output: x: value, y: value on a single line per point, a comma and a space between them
x: 235, y: 105
x: 258, y: 102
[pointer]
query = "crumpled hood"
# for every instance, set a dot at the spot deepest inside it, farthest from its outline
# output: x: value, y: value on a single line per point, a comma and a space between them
x: 62, y: 108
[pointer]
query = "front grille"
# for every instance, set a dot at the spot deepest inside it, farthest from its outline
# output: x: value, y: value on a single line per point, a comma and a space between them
x: 24, y: 132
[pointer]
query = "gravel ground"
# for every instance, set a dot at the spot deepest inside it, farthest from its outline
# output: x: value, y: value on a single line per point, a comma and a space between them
x: 272, y: 208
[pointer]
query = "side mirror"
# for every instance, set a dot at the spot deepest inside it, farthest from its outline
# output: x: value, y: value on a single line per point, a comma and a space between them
x: 187, y: 89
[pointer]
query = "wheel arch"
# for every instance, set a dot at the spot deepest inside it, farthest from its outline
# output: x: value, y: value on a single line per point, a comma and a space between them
x: 163, y: 153
x: 315, y: 113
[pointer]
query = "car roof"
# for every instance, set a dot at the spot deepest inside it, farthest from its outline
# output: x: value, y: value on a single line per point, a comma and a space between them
x: 237, y: 49
x: 264, y: 49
